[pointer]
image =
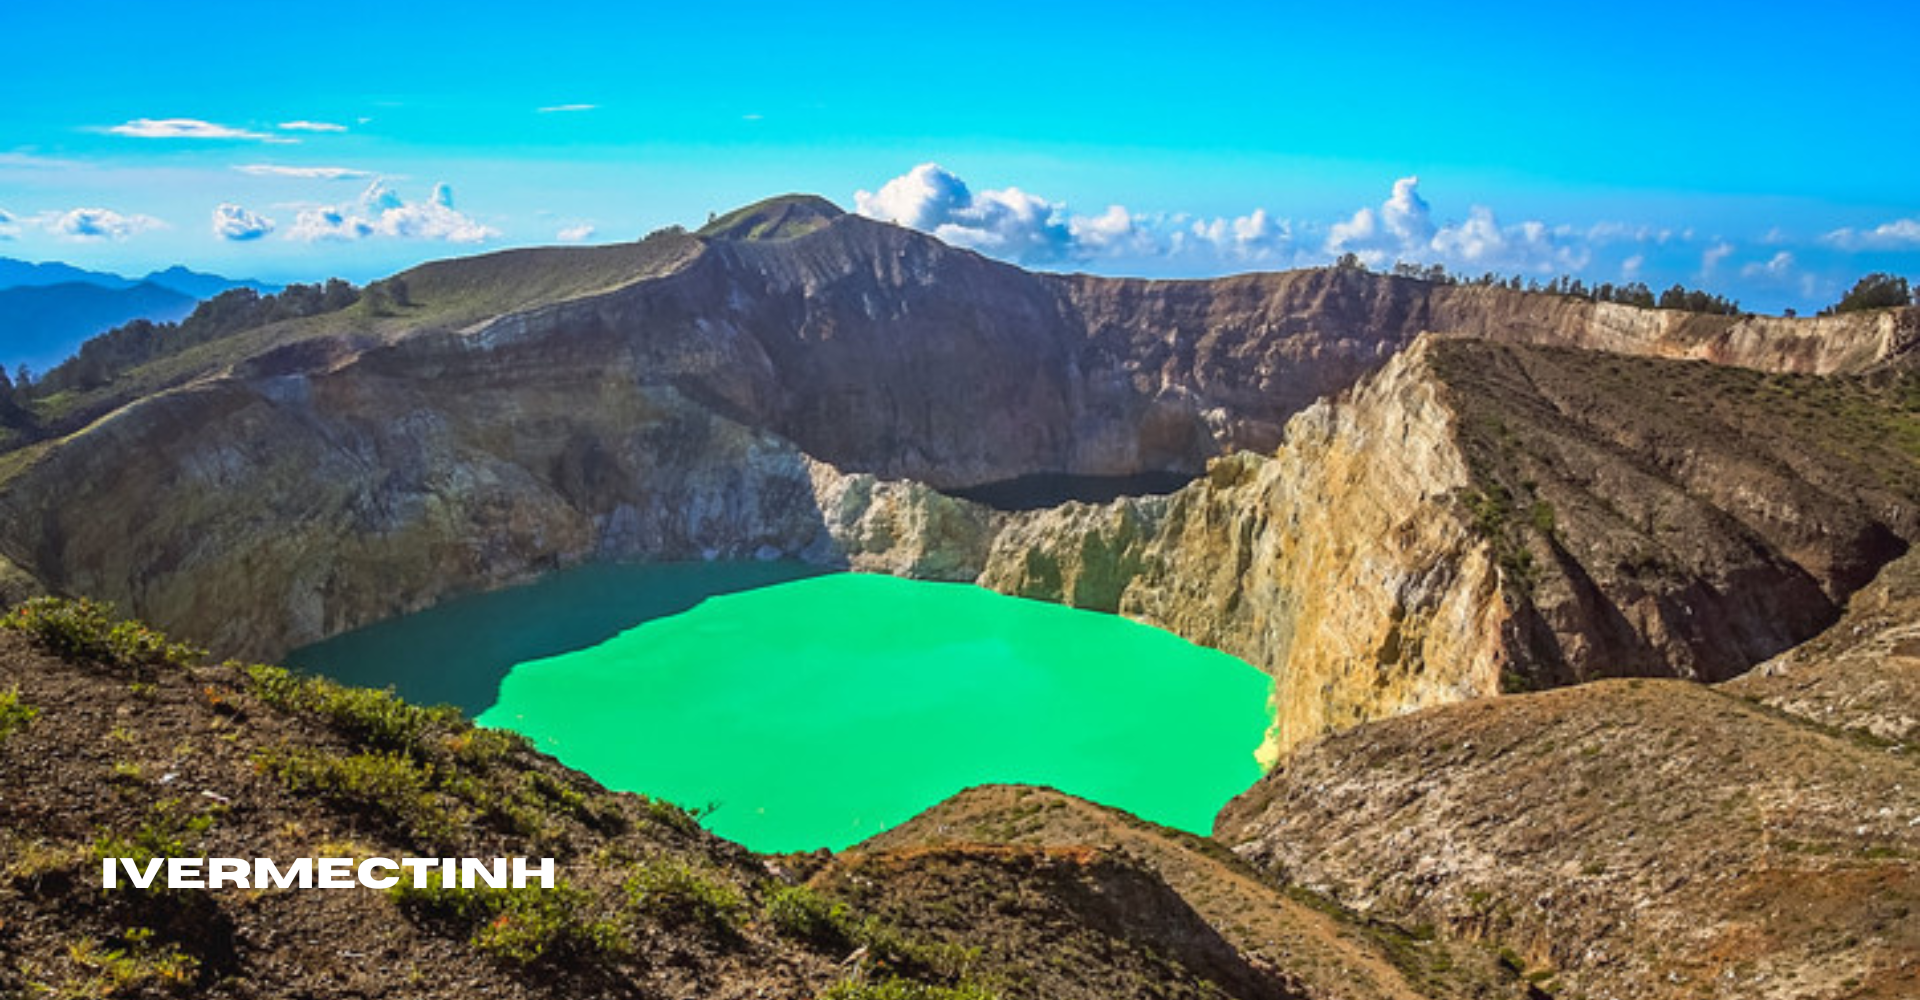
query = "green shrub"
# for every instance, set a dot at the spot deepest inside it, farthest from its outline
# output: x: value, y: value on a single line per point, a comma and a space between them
x: 906, y: 989
x: 799, y: 912
x: 484, y: 746
x: 893, y: 947
x: 376, y: 717
x: 671, y: 816
x: 522, y: 926
x: 673, y: 892
x: 278, y: 686
x: 380, y: 718
x: 87, y: 630
x: 1542, y: 516
x: 389, y: 785
x: 139, y: 963
x: 169, y: 831
x: 15, y: 715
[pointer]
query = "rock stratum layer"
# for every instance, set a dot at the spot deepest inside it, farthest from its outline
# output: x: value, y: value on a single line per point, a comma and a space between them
x: 1481, y: 511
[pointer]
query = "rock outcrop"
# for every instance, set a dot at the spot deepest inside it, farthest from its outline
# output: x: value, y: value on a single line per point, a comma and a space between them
x: 1636, y: 838
x: 1862, y: 676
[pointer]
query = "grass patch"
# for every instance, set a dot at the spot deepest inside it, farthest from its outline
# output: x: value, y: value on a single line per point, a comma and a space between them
x: 804, y: 914
x: 169, y: 831
x: 800, y: 913
x: 15, y: 715
x: 136, y: 965
x: 674, y: 892
x: 524, y: 926
x: 388, y: 785
x: 906, y: 989
x: 375, y: 717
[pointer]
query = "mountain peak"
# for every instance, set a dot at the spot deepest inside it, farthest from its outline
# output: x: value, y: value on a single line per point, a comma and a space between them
x: 780, y: 218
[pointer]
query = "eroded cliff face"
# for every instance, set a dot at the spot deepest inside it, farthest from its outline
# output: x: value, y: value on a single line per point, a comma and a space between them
x: 1479, y: 518
x: 258, y: 516
x: 1341, y: 565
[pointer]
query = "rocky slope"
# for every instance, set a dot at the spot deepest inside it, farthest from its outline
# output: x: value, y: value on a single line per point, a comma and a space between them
x: 1862, y: 676
x: 1637, y: 838
x: 1313, y: 946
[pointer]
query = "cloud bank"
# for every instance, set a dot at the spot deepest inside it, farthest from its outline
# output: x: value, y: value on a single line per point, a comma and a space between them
x: 307, y: 126
x: 1014, y: 224
x: 381, y: 211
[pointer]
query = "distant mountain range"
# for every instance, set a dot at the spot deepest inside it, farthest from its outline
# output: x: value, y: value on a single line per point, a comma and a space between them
x: 48, y: 309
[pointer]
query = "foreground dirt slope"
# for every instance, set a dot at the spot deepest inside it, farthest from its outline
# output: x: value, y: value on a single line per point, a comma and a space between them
x: 113, y: 745
x: 1863, y: 674
x: 1634, y: 838
x: 1318, y: 948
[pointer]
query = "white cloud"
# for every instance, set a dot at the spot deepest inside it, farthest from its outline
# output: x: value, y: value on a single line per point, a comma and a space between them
x: 231, y: 222
x: 561, y: 108
x: 1778, y: 268
x: 307, y: 126
x: 575, y: 234
x: 1356, y: 235
x: 9, y: 225
x: 1900, y: 234
x: 380, y: 211
x: 1005, y: 223
x: 1405, y: 214
x: 312, y: 173
x: 184, y: 128
x: 1630, y: 268
x: 88, y: 224
x: 329, y: 223
x: 1711, y: 260
x: 1114, y: 232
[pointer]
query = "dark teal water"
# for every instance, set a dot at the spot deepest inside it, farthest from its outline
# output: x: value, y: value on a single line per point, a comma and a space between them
x: 456, y: 652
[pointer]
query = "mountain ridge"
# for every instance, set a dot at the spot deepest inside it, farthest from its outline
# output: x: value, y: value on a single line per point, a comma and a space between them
x: 48, y: 309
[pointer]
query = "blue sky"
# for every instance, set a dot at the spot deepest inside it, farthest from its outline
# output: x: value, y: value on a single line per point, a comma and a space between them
x: 1763, y: 153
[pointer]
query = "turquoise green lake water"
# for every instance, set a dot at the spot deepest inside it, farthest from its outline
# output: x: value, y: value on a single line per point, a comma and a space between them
x: 818, y: 712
